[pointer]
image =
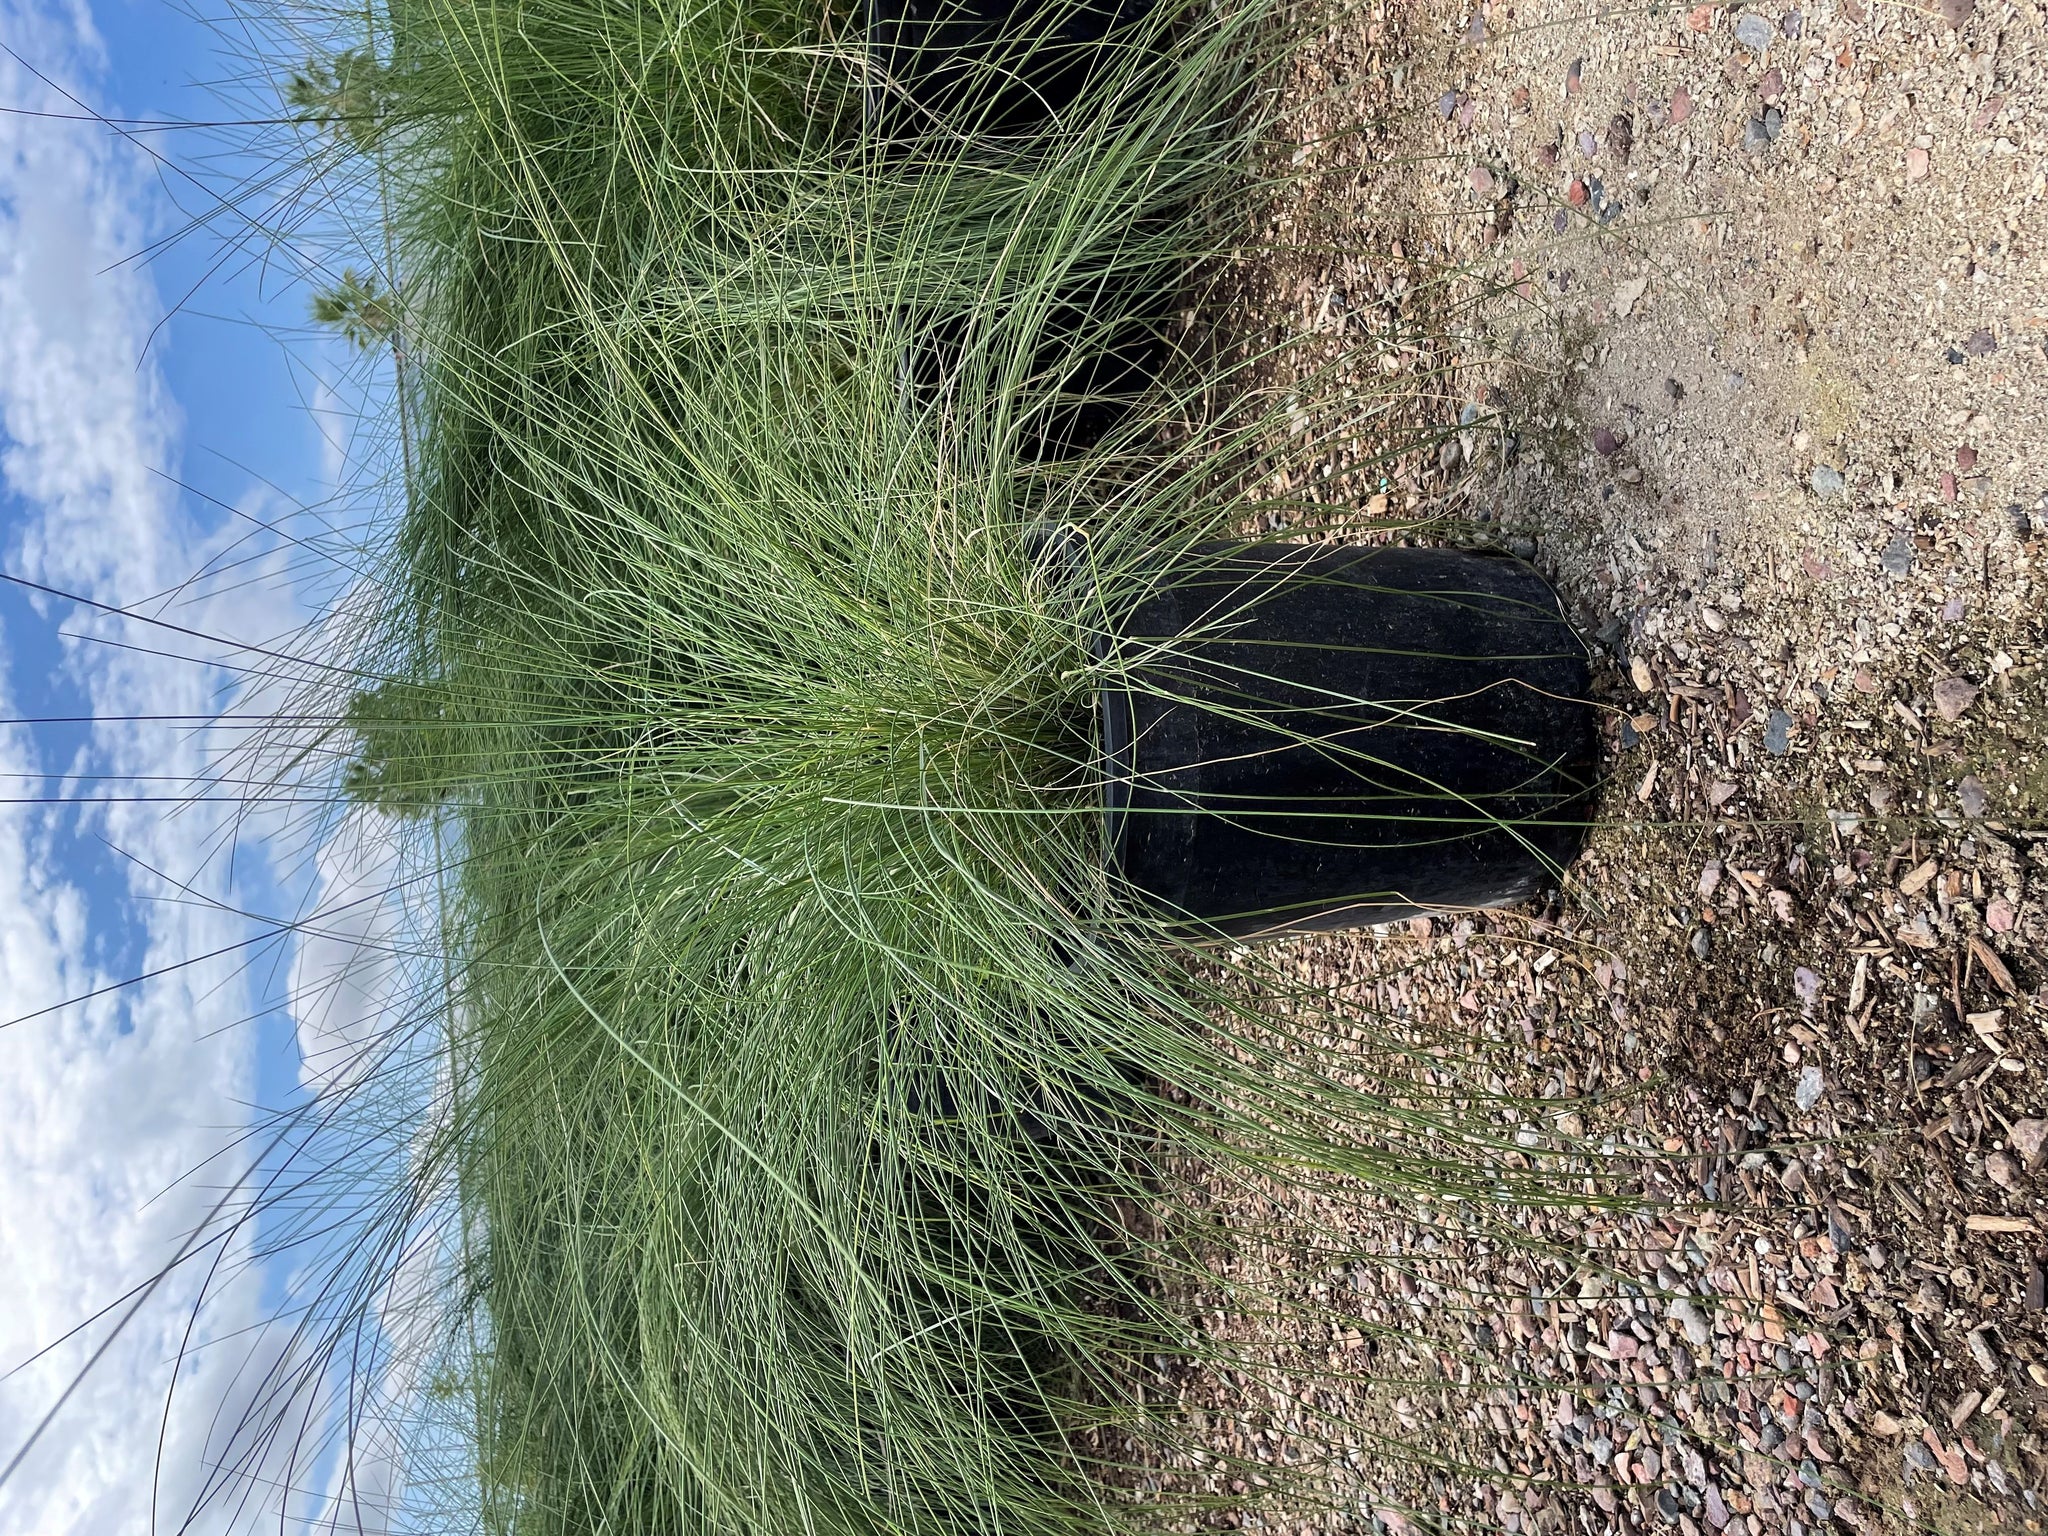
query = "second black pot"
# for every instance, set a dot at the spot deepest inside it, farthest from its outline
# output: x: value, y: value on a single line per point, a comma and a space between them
x: 989, y: 67
x: 1315, y: 735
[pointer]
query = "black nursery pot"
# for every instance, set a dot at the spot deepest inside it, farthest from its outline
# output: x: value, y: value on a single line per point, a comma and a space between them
x: 988, y: 67
x: 997, y: 70
x: 1314, y: 736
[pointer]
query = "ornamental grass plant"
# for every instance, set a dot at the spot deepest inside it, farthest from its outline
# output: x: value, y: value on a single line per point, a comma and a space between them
x: 815, y: 1099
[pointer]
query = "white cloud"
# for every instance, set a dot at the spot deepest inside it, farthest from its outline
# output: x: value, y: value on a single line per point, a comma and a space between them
x: 107, y: 1110
x: 344, y: 970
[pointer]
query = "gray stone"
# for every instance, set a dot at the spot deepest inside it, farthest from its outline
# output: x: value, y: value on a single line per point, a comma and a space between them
x: 1774, y: 123
x: 1983, y: 1351
x: 1702, y: 943
x: 1971, y: 793
x: 1688, y: 1314
x: 1753, y: 32
x: 1755, y: 137
x: 1826, y: 480
x: 1897, y: 558
x: 1809, y: 1089
x: 1806, y: 982
x: 1778, y: 733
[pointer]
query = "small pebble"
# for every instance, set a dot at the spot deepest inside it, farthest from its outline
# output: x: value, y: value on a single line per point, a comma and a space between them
x: 1826, y: 480
x: 1753, y: 32
x: 1681, y: 106
x: 1755, y: 137
x: 1970, y: 794
x: 1981, y: 343
x: 1953, y: 695
x: 1772, y: 86
x: 1699, y: 1329
x: 1809, y: 1089
x: 1774, y: 123
x: 1897, y: 559
x: 1983, y: 1351
x: 1588, y: 145
x: 1702, y: 944
x: 1792, y: 24
x: 1778, y: 733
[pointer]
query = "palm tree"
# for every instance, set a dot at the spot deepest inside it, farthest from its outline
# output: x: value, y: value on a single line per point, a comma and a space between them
x: 406, y: 763
x: 354, y: 307
x: 343, y: 92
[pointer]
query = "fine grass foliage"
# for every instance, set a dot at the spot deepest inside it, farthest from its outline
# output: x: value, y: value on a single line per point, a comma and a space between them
x: 814, y: 1100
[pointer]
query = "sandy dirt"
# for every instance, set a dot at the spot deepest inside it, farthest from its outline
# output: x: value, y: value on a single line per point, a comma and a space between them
x: 1743, y: 311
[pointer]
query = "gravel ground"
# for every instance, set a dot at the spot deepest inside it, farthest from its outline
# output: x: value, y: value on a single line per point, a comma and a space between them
x: 1741, y: 311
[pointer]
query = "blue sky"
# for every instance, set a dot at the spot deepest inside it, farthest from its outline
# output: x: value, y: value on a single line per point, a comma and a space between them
x: 168, y: 428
